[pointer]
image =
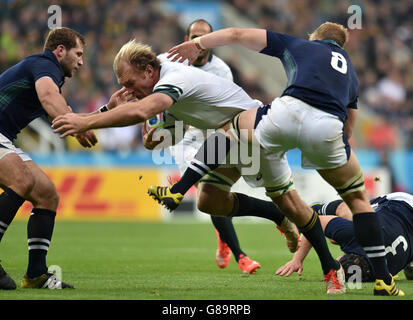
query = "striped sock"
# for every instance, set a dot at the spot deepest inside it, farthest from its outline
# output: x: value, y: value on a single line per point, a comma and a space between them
x: 314, y: 233
x: 39, y: 234
x: 209, y: 157
x: 368, y: 234
x: 329, y: 208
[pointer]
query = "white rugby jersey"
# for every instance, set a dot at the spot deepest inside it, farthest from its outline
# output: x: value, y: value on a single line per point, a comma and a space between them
x: 202, y: 99
x: 214, y: 65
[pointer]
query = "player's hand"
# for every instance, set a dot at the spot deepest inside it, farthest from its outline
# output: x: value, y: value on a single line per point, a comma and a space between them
x: 187, y: 50
x: 69, y: 123
x: 86, y: 139
x: 289, y: 268
x: 147, y: 138
x: 119, y: 97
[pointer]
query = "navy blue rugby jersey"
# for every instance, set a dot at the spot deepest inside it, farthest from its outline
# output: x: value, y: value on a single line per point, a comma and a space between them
x: 319, y: 73
x: 19, y: 104
x: 396, y: 220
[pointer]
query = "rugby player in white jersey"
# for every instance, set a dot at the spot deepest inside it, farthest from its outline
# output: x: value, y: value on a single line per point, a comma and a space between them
x: 185, y: 150
x: 200, y: 99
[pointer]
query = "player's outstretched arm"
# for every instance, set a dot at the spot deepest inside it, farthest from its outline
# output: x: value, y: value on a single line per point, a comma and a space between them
x: 55, y: 105
x: 50, y: 98
x: 118, y: 98
x: 254, y: 39
x: 124, y: 115
x: 296, y: 263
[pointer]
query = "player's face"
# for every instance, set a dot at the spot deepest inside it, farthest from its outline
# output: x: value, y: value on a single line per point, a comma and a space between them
x: 73, y: 59
x: 198, y: 29
x: 139, y: 83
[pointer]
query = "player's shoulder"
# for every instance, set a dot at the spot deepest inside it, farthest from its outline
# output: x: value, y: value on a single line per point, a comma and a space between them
x: 218, y: 67
x: 44, y: 57
x: 215, y: 60
x: 173, y: 69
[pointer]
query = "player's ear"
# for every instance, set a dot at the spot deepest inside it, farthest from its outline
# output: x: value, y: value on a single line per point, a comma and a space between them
x: 186, y: 38
x: 60, y: 51
x: 149, y: 70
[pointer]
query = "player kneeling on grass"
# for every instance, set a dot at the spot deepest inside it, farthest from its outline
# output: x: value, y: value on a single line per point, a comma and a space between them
x: 395, y: 214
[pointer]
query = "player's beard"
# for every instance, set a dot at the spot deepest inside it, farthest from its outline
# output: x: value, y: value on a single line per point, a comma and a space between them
x: 66, y: 66
x: 202, y: 58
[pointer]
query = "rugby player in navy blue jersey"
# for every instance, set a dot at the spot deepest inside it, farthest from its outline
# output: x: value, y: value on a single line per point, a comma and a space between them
x: 395, y: 214
x: 28, y: 90
x: 316, y: 113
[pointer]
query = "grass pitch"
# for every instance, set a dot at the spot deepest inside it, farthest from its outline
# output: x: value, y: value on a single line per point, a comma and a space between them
x: 167, y: 261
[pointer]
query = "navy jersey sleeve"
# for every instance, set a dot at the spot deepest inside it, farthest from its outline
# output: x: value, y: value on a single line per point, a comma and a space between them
x: 353, y: 104
x: 45, y: 68
x: 276, y: 43
x: 342, y: 231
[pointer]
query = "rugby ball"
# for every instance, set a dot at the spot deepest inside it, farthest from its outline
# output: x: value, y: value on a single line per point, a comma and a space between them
x: 165, y: 124
x: 157, y: 121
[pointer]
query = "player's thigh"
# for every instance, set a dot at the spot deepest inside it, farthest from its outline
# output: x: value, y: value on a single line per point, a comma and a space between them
x: 14, y: 174
x: 44, y: 193
x: 338, y: 177
x: 214, y: 191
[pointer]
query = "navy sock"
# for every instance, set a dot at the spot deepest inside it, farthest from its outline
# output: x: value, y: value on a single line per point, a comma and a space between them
x: 327, y: 208
x: 367, y: 230
x: 248, y: 206
x: 10, y: 202
x: 209, y: 157
x: 227, y: 234
x: 314, y: 233
x: 39, y: 234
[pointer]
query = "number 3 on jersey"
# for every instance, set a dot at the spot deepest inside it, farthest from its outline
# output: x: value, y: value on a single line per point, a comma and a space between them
x: 338, y: 62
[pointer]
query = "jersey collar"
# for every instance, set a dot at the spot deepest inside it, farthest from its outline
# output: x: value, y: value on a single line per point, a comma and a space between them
x: 49, y: 54
x: 331, y: 41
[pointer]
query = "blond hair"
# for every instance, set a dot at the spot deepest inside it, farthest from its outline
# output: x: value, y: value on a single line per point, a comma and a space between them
x: 136, y: 54
x: 330, y: 30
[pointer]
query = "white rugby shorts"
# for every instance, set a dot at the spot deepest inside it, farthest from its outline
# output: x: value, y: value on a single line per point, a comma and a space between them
x: 272, y: 170
x: 291, y: 123
x: 6, y: 147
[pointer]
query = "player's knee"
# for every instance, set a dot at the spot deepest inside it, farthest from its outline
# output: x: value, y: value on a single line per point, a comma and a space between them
x: 53, y: 196
x: 45, y: 195
x: 23, y: 184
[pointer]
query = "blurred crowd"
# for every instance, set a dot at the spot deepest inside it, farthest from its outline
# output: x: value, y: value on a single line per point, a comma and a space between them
x: 381, y: 52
